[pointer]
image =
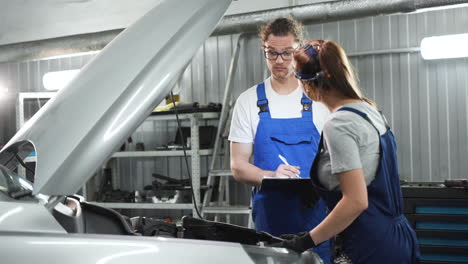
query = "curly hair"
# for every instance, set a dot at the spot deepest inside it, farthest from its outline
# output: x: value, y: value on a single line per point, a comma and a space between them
x: 282, y: 27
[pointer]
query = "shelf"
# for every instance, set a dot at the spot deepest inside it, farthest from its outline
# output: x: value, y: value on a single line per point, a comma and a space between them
x: 220, y: 173
x: 226, y: 210
x: 178, y: 206
x: 171, y: 116
x: 142, y: 154
x: 195, y: 153
x: 159, y: 153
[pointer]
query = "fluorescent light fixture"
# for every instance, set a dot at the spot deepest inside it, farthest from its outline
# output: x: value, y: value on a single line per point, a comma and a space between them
x: 445, y: 47
x: 54, y: 81
x: 3, y: 91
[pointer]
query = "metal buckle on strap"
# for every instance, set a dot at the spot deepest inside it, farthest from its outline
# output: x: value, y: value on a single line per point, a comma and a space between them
x: 263, y: 105
x: 306, y: 104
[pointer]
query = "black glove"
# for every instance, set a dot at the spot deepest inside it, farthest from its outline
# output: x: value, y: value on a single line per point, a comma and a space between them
x: 299, y: 243
x: 291, y: 236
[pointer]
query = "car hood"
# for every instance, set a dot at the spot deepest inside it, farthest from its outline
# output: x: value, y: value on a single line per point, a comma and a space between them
x: 86, y: 121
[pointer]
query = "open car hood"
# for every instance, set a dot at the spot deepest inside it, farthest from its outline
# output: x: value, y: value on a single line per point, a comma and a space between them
x: 85, y: 122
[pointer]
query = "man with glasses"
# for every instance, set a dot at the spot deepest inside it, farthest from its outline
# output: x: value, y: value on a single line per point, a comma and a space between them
x: 277, y: 124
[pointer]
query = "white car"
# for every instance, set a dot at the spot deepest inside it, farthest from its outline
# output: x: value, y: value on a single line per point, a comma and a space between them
x: 80, y: 128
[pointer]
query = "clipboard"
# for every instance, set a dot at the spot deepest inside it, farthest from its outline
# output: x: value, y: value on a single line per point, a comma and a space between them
x: 296, y: 185
x: 301, y: 188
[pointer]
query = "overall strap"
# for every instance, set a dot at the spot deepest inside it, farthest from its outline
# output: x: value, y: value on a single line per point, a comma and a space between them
x: 363, y: 115
x: 262, y: 101
x: 306, y: 105
x: 314, y: 167
x: 385, y: 120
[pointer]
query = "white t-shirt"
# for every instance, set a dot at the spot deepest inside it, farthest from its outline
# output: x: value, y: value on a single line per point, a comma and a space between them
x: 245, y: 117
x: 350, y: 142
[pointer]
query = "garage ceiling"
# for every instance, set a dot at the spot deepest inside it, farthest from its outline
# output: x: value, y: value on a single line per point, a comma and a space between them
x: 30, y: 20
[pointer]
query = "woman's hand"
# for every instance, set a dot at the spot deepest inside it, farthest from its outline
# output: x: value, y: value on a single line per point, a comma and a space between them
x: 299, y: 243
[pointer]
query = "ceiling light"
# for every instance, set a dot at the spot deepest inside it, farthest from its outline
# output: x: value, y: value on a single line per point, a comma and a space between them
x: 3, y: 91
x: 445, y: 47
x: 54, y: 81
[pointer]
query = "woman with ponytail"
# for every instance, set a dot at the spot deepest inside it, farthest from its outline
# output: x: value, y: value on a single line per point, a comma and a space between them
x: 355, y: 170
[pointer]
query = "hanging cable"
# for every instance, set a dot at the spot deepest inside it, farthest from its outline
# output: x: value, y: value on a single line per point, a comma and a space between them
x: 184, y: 147
x: 24, y: 164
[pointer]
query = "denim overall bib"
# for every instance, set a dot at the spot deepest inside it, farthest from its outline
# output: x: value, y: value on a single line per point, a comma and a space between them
x: 381, y: 234
x: 296, y: 139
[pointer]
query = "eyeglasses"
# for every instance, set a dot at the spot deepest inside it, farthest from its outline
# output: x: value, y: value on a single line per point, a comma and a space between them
x: 273, y: 55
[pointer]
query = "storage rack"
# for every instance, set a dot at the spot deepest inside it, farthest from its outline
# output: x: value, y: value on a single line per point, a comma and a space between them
x: 194, y: 152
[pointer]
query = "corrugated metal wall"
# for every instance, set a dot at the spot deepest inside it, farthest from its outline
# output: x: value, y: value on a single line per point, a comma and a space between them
x: 424, y: 101
x: 27, y: 77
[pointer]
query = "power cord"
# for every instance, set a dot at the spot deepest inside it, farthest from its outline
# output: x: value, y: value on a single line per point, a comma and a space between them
x: 23, y: 164
x: 184, y: 147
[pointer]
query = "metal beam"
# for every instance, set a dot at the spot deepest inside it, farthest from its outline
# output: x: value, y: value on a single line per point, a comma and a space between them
x: 326, y: 12
x: 57, y: 46
x: 243, y: 23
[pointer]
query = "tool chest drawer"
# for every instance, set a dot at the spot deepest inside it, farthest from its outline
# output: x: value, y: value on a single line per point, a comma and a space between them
x: 439, y: 216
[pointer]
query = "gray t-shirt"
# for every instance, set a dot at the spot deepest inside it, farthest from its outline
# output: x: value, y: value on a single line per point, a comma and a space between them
x: 350, y: 142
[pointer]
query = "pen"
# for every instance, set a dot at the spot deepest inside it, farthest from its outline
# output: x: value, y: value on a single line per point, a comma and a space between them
x: 283, y: 159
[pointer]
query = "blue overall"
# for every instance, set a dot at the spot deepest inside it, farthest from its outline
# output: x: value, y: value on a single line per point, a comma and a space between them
x: 381, y: 234
x: 296, y: 139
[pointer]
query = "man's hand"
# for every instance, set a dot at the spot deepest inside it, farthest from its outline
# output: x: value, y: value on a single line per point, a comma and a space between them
x: 286, y: 171
x: 299, y: 243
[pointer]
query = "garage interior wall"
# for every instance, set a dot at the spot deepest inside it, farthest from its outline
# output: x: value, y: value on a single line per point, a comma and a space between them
x: 425, y: 102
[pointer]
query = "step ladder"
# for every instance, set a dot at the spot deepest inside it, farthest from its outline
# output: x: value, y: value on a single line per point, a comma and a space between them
x: 221, y: 177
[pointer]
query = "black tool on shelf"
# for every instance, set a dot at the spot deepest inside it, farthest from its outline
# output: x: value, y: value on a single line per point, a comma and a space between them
x: 106, y: 192
x: 192, y: 108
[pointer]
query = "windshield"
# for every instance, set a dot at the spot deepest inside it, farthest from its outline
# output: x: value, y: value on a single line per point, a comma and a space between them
x: 11, y: 183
